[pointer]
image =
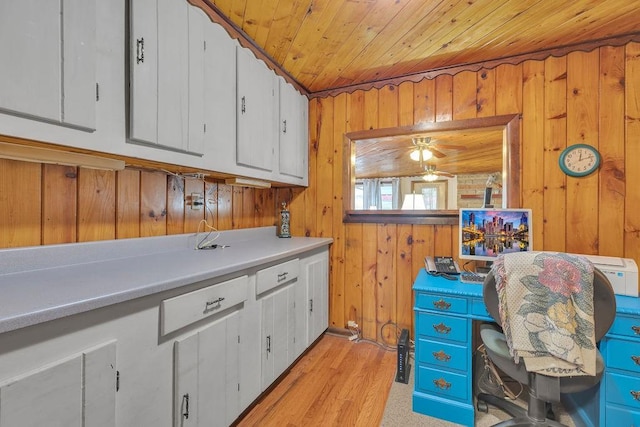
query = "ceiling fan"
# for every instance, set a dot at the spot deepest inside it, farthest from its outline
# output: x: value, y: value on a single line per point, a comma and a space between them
x: 425, y: 149
x: 431, y: 174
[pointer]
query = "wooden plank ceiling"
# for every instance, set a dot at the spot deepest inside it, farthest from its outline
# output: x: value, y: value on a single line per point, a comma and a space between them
x: 326, y: 45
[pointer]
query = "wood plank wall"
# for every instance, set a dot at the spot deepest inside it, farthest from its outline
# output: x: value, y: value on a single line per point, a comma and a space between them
x: 583, y: 97
x: 591, y: 97
x: 48, y: 204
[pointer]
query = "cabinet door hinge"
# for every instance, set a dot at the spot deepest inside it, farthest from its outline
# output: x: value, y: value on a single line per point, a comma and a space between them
x: 238, y: 386
x: 117, y: 381
x: 97, y: 92
x: 204, y: 44
x: 205, y: 127
x: 311, y: 305
x: 238, y: 339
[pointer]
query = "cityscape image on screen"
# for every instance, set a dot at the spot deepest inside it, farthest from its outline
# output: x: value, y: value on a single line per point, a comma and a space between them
x: 487, y: 233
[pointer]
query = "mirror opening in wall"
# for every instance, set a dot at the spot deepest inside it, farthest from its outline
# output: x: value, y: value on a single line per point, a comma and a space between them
x: 424, y: 173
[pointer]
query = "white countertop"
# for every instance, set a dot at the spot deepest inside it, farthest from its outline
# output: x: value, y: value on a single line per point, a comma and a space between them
x: 43, y: 283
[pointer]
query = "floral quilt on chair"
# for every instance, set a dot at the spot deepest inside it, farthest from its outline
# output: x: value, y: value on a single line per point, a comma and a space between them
x: 546, y: 311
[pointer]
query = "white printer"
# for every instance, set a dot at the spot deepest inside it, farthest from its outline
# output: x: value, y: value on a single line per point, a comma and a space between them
x: 621, y: 272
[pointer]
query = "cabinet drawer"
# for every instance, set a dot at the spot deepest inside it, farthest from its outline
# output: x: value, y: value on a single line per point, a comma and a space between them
x: 442, y: 383
x: 623, y: 390
x: 183, y: 310
x: 277, y: 275
x: 442, y: 327
x: 617, y: 416
x: 445, y: 304
x: 623, y: 354
x: 626, y: 326
x: 442, y: 355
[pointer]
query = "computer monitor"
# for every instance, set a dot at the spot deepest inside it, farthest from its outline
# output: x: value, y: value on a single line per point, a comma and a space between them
x: 486, y: 233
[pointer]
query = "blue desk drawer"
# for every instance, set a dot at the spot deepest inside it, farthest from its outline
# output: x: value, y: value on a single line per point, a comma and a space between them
x: 442, y: 327
x: 626, y: 325
x: 623, y: 390
x: 442, y: 355
x: 623, y: 354
x: 446, y: 304
x: 617, y: 416
x: 443, y: 383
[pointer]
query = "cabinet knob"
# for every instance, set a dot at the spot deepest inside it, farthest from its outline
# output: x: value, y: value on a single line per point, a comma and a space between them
x: 635, y: 394
x: 636, y: 329
x: 636, y: 360
x: 441, y: 356
x: 140, y: 50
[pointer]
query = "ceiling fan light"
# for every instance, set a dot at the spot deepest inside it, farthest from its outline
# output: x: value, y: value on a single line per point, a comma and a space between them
x: 430, y: 177
x: 415, y: 155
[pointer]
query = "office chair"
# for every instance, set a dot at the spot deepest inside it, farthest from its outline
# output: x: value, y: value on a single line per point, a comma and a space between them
x: 543, y: 390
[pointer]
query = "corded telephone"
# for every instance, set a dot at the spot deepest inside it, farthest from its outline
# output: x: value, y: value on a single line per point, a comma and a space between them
x: 441, y: 264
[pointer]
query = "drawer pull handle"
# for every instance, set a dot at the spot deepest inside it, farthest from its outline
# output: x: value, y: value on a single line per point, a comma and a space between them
x: 282, y: 276
x: 636, y: 359
x: 442, y: 305
x: 636, y: 329
x: 442, y: 328
x: 441, y: 356
x: 636, y: 395
x: 215, y: 301
x: 442, y: 384
x: 185, y: 402
x: 140, y: 50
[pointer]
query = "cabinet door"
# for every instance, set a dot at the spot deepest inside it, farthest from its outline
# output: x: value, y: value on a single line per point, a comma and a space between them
x: 206, y: 370
x: 293, y: 136
x: 48, y: 65
x: 167, y: 74
x: 143, y: 70
x: 79, y: 391
x: 257, y: 112
x: 275, y: 334
x: 220, y: 98
x: 317, y: 271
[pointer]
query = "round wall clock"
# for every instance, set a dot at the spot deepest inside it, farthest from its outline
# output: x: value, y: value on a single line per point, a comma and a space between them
x: 579, y: 160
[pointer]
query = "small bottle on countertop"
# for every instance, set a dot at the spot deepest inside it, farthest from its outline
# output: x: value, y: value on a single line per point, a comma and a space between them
x: 284, y: 221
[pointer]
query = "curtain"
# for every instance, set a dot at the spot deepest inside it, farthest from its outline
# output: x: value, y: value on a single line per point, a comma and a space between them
x: 372, y: 198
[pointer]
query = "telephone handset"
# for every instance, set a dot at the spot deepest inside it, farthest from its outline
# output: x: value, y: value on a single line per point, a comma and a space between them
x: 441, y: 264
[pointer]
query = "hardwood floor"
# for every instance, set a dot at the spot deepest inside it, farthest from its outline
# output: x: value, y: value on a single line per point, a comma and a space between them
x: 337, y: 383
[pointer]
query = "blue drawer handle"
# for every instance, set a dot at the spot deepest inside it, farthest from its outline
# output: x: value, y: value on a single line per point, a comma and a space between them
x: 442, y: 328
x: 442, y: 384
x: 636, y: 359
x: 442, y: 304
x: 636, y: 395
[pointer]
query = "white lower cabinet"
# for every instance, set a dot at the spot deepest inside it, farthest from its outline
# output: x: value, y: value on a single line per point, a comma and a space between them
x: 315, y: 273
x: 77, y: 391
x: 196, y: 356
x: 277, y: 320
x: 207, y: 380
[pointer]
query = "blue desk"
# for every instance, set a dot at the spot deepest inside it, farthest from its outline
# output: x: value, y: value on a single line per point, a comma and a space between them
x: 444, y: 314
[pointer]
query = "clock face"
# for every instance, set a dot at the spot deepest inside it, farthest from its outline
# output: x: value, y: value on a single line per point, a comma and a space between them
x: 579, y: 160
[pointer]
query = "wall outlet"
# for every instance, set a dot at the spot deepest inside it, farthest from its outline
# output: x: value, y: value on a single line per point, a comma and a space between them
x: 197, y: 201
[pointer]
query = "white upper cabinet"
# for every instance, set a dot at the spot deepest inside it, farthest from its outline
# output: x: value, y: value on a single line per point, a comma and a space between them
x: 48, y: 65
x: 293, y: 133
x: 167, y: 42
x: 257, y: 112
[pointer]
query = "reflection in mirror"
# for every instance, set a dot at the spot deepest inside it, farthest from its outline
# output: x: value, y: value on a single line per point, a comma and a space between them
x: 434, y: 168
